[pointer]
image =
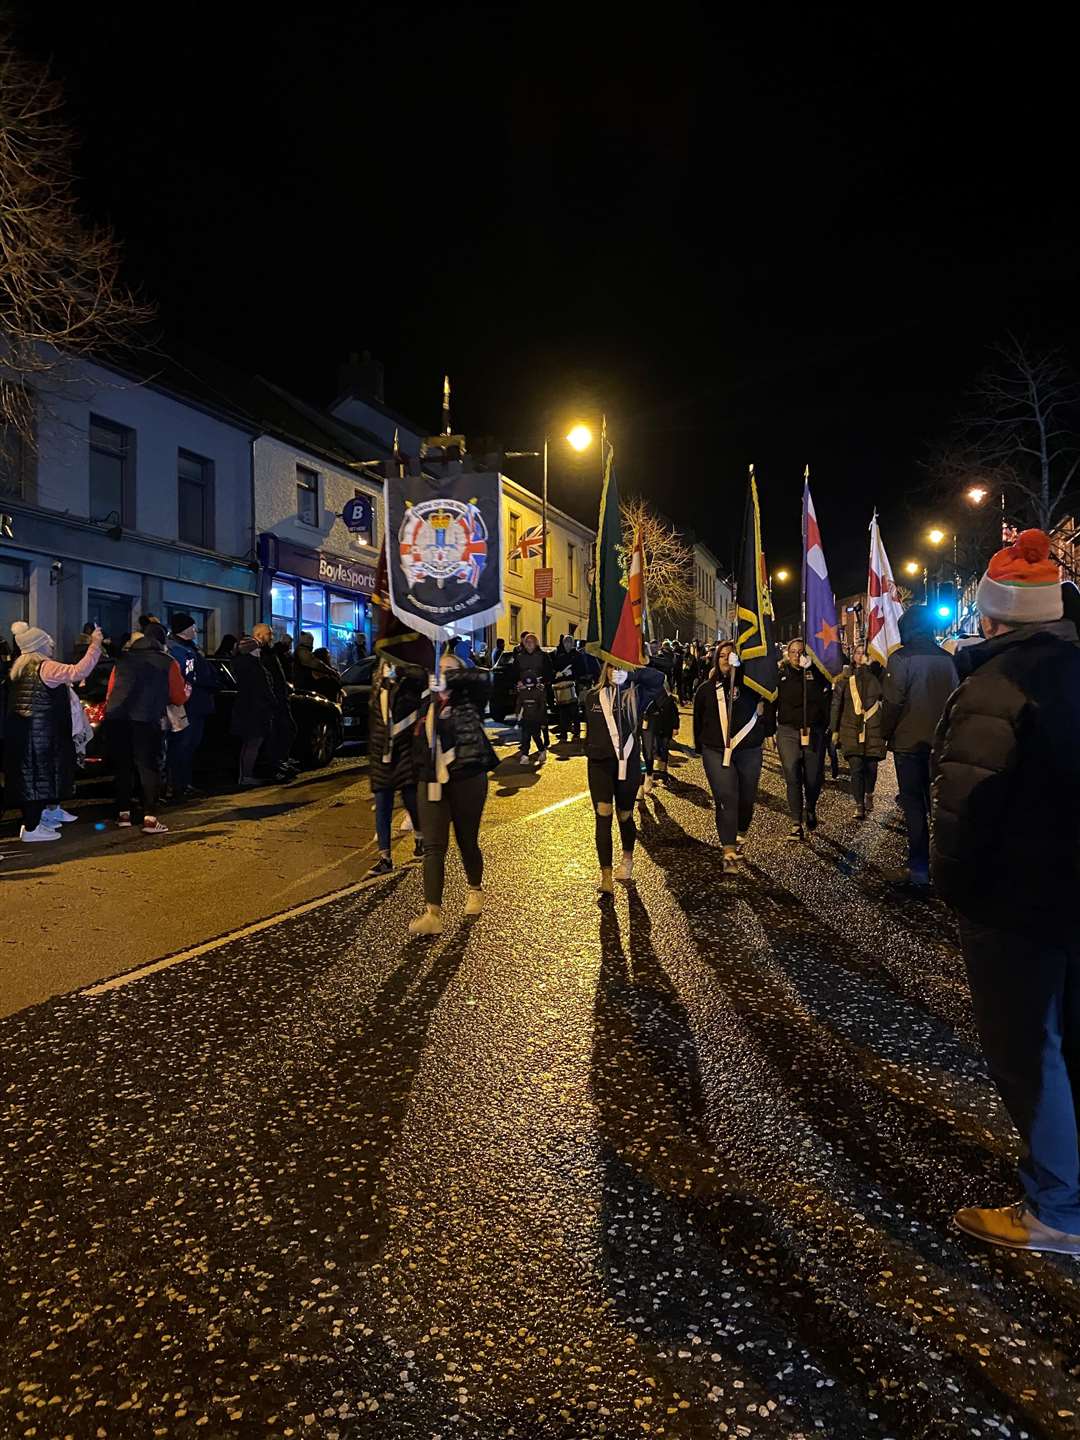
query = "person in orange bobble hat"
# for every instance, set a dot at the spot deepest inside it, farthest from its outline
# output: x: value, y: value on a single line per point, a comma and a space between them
x: 1006, y: 856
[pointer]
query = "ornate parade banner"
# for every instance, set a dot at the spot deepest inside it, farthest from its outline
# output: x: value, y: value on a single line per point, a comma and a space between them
x: 445, y: 551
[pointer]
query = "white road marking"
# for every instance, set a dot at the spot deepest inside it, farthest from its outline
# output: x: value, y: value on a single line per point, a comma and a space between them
x: 570, y: 800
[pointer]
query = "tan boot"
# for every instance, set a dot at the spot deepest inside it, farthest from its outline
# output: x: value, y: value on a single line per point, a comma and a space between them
x: 474, y: 901
x: 606, y: 886
x: 430, y: 923
x: 1016, y: 1228
x: 730, y: 861
x: 625, y: 872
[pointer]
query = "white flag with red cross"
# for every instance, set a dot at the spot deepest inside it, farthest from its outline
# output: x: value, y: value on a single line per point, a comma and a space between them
x: 883, y: 605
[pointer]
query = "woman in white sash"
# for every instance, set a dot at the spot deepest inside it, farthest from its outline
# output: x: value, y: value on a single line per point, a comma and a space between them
x: 856, y: 725
x: 614, y: 755
x: 730, y: 724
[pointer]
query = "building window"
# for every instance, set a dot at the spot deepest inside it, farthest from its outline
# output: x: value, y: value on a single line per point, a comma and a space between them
x: 313, y: 614
x: 13, y: 593
x: 515, y: 624
x: 283, y: 607
x: 195, y: 499
x: 571, y: 568
x: 307, y: 495
x: 112, y: 472
x: 514, y: 562
x: 112, y: 612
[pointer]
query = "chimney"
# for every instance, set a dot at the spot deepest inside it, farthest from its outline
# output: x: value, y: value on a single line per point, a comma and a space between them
x: 361, y: 376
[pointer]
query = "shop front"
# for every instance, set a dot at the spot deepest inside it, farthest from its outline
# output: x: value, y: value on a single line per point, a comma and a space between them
x: 328, y: 595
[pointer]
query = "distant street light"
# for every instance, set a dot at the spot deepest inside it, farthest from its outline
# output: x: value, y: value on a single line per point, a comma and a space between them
x: 580, y: 437
x: 977, y: 494
x: 912, y: 567
x: 781, y: 575
x: 935, y: 536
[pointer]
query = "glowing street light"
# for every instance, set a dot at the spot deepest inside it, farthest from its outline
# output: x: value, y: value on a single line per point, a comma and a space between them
x: 912, y: 567
x: 580, y: 437
x: 782, y: 575
x: 935, y: 536
x: 977, y: 494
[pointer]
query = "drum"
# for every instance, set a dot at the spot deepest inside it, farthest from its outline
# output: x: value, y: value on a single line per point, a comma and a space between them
x: 565, y: 692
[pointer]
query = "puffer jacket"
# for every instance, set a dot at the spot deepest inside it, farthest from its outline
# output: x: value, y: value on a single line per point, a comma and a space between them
x: 461, y: 728
x: 852, y: 727
x: 391, y: 757
x: 1005, y: 848
x: 920, y: 678
x: 39, y: 754
x: 709, y: 728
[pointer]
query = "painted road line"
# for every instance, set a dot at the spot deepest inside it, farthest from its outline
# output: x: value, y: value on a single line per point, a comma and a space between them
x: 536, y: 814
x: 129, y: 976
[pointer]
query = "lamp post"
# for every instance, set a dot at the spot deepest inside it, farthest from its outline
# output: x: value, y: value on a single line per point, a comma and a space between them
x: 579, y: 438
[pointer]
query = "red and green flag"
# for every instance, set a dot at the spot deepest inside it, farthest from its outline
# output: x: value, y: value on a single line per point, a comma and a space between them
x: 617, y: 602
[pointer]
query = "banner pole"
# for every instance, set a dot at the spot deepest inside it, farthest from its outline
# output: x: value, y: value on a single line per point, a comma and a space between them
x: 805, y: 726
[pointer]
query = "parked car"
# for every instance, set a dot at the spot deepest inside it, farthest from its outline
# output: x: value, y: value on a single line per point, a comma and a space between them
x: 318, y: 723
x: 355, y: 699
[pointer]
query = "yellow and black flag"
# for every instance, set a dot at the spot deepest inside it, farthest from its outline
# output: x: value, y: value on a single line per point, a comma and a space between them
x: 754, y: 640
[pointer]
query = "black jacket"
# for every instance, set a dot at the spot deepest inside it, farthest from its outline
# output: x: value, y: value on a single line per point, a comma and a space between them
x: 851, y: 726
x: 1006, y: 785
x: 569, y: 665
x: 536, y: 664
x: 461, y: 728
x: 789, y: 697
x: 920, y: 678
x: 403, y: 694
x: 270, y: 659
x: 140, y: 689
x: 39, y: 755
x: 253, y: 708
x: 598, y: 744
x: 708, y: 729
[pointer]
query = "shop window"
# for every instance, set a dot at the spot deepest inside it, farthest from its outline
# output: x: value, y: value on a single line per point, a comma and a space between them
x: 515, y: 624
x: 348, y: 628
x: 283, y: 607
x: 13, y: 595
x: 195, y: 499
x: 514, y: 563
x: 571, y: 568
x: 313, y: 613
x: 112, y: 472
x: 307, y: 495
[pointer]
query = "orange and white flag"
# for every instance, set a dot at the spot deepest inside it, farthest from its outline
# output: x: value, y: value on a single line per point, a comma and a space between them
x: 883, y: 607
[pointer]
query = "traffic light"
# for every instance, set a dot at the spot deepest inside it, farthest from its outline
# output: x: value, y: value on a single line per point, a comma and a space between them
x: 944, y: 607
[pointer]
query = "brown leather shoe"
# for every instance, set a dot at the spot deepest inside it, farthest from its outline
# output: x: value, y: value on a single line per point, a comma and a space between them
x: 1015, y: 1227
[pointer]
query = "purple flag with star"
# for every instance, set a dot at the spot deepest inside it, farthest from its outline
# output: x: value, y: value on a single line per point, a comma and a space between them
x: 819, y: 605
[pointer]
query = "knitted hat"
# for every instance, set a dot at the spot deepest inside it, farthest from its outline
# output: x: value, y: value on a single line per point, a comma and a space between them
x: 30, y: 640
x: 1022, y: 585
x: 180, y: 622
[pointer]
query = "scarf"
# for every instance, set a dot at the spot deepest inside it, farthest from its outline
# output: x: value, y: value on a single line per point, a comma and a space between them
x: 725, y: 721
x: 443, y: 758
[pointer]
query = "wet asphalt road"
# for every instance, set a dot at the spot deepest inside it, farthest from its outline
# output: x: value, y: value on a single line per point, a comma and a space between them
x: 681, y: 1165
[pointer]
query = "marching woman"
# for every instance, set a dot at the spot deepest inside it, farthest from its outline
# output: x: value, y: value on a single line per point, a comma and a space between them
x: 659, y: 720
x: 453, y: 757
x: 803, y: 705
x: 394, y: 708
x: 614, y: 767
x: 730, y: 725
x: 856, y: 726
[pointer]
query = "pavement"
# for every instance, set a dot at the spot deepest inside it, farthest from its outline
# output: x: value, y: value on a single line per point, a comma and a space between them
x: 681, y: 1164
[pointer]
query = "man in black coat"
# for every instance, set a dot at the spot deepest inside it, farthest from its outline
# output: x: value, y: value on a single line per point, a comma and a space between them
x: 920, y: 678
x: 1006, y: 856
x: 282, y: 735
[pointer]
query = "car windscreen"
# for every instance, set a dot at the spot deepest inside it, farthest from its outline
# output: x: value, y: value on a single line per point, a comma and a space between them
x: 360, y: 673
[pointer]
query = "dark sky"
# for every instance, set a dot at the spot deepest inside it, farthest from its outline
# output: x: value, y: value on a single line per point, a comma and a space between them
x: 789, y: 244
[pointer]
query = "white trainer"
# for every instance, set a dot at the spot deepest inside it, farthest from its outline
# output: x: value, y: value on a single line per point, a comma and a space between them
x: 57, y: 815
x: 474, y: 901
x: 39, y: 832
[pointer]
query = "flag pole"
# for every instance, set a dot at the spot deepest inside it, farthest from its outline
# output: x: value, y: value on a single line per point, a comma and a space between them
x: 543, y: 546
x: 805, y: 737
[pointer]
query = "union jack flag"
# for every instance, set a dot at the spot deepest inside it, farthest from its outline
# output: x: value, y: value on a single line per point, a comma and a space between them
x: 476, y: 549
x: 529, y: 545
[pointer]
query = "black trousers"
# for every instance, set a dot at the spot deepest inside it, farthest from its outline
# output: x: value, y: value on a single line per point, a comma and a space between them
x: 134, y: 748
x: 913, y: 776
x: 570, y: 720
x: 804, y: 768
x: 863, y: 777
x: 606, y: 788
x: 461, y: 805
x: 734, y: 788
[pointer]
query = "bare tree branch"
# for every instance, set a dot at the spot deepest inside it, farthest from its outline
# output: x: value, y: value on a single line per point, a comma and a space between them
x: 60, y: 289
x: 669, y: 562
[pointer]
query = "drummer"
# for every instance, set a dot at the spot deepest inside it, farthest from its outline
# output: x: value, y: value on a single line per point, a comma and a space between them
x: 571, y: 672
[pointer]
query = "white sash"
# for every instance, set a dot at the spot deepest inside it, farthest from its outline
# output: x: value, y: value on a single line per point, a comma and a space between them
x: 729, y: 745
x: 857, y: 706
x: 623, y: 754
x: 443, y: 758
x: 394, y: 730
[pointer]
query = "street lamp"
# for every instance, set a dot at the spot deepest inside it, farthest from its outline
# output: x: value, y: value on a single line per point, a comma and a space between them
x: 935, y: 536
x: 781, y: 575
x: 912, y: 567
x: 579, y: 437
x: 977, y: 494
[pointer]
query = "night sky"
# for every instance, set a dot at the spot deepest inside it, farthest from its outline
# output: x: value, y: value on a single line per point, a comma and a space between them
x: 782, y: 245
